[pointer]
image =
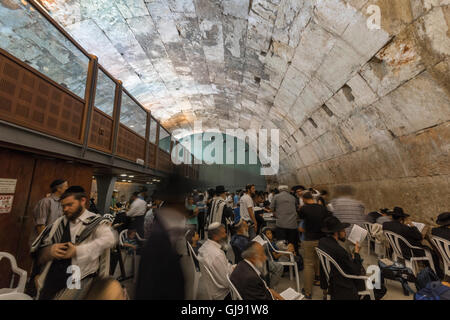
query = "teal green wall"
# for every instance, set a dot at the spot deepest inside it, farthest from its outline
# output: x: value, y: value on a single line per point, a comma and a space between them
x: 232, y: 176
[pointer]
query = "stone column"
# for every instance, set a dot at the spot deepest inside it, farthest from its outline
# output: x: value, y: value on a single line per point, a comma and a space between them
x: 105, y: 188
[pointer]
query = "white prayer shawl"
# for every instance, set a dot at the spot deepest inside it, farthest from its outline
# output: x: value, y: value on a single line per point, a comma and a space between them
x: 46, y: 238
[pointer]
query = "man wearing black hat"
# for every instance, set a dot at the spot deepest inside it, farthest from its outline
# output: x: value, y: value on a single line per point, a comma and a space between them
x: 339, y: 287
x: 220, y: 211
x: 404, y: 227
x: 443, y: 231
x: 48, y: 209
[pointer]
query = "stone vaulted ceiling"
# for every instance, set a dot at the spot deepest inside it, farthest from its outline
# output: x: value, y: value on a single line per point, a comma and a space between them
x: 369, y: 107
x: 230, y: 63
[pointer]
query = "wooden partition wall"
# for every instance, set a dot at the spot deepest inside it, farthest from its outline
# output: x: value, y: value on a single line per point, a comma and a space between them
x: 34, y: 175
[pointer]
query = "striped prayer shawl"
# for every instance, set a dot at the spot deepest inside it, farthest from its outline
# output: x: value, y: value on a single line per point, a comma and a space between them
x: 53, y: 233
x: 349, y: 210
x: 216, y: 210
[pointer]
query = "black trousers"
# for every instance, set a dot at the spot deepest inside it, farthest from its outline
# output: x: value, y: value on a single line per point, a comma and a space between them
x: 290, y: 235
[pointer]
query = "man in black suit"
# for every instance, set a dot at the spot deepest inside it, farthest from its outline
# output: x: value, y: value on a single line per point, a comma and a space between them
x: 404, y: 227
x: 339, y: 287
x: 246, y: 277
x: 443, y: 231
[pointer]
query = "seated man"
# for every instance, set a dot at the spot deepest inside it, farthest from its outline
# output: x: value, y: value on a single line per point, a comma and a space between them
x: 443, y: 231
x: 404, y: 227
x: 247, y: 279
x: 239, y: 241
x: 214, y: 258
x: 339, y: 287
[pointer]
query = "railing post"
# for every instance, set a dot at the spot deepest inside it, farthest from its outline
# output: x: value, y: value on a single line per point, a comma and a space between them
x: 116, y: 116
x: 89, y: 97
x: 157, y: 147
x: 147, y: 140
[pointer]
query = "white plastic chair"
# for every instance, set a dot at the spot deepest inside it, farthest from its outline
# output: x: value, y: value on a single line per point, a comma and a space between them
x: 234, y: 293
x: 443, y: 246
x: 208, y: 274
x: 15, y: 296
x: 15, y: 269
x: 108, y: 216
x: 326, y: 260
x: 197, y: 273
x: 394, y: 240
x: 291, y: 263
x: 122, y: 237
x: 370, y: 238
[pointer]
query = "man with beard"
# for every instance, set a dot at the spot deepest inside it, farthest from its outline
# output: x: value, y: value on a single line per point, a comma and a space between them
x: 247, y: 279
x: 339, y: 287
x: 211, y: 255
x: 246, y: 209
x: 78, y: 241
x: 239, y: 241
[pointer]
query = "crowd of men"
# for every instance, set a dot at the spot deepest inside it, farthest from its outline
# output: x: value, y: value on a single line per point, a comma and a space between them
x: 70, y: 234
x: 304, y: 218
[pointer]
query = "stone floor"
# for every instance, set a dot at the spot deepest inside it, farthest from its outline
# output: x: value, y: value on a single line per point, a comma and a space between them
x: 394, y: 289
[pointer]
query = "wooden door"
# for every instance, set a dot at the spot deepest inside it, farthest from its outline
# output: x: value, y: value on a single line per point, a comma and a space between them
x: 14, y: 165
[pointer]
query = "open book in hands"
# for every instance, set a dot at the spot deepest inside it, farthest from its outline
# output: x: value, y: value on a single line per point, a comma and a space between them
x: 357, y: 234
x: 260, y: 240
x: 291, y: 294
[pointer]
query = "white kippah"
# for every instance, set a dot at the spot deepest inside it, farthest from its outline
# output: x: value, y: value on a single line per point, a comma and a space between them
x: 214, y: 225
x: 283, y: 187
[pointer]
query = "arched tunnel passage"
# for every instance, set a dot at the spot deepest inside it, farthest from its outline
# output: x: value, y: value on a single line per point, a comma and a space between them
x: 358, y: 92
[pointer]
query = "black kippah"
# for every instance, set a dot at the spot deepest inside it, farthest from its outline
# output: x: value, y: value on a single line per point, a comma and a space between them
x: 56, y: 183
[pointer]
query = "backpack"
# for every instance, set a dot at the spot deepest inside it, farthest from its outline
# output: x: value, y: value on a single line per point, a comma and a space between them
x: 424, y: 277
x: 433, y: 291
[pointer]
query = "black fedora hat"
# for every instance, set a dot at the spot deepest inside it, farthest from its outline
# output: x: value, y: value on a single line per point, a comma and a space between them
x: 398, y: 213
x: 333, y: 224
x: 443, y: 219
x: 220, y: 190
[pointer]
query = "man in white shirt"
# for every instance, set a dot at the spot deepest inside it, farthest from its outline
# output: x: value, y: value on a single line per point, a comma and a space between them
x: 78, y: 241
x: 137, y: 211
x: 214, y: 258
x: 246, y: 210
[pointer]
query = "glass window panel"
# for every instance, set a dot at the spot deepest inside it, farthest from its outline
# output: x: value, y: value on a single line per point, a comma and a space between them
x: 164, y: 139
x: 104, y: 94
x: 27, y: 35
x: 132, y: 115
x: 153, y: 129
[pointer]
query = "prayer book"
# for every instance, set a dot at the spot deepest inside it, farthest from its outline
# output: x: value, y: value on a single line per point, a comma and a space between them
x: 291, y: 294
x: 260, y: 240
x: 357, y: 234
x: 419, y: 225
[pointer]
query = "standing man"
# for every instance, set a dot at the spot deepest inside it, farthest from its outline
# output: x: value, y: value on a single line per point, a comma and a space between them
x: 78, y: 241
x: 346, y: 208
x: 220, y: 211
x: 246, y: 210
x: 297, y: 193
x: 48, y: 209
x: 137, y: 211
x: 313, y: 215
x: 114, y: 202
x: 283, y: 207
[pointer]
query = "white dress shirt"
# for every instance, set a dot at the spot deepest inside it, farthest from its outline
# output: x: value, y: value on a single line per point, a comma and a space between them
x: 137, y: 208
x: 216, y: 261
x: 89, y: 251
